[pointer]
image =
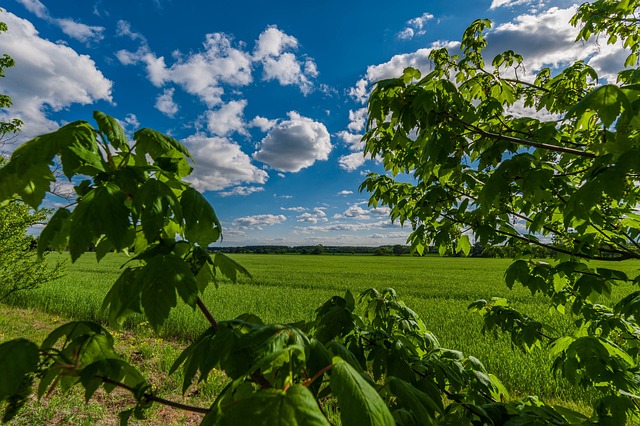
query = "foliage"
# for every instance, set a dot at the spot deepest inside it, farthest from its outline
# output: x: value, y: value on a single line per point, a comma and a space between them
x: 563, y: 176
x: 21, y: 270
x: 373, y: 357
x: 6, y: 61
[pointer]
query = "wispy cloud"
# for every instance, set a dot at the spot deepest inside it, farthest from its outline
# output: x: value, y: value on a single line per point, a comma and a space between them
x: 74, y: 29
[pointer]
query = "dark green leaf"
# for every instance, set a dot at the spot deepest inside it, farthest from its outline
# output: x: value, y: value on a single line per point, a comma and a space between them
x: 359, y: 402
x: 18, y: 358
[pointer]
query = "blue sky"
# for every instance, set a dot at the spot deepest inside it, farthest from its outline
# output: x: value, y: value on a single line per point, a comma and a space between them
x: 270, y: 97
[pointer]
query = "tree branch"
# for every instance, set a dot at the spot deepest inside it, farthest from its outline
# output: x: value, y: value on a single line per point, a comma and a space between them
x: 207, y: 314
x: 154, y: 398
x: 554, y: 148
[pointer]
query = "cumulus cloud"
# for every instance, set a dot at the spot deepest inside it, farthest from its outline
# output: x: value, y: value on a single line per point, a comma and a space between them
x: 76, y: 30
x: 165, y: 103
x: 315, y: 217
x: 415, y: 27
x: 544, y: 37
x: 345, y: 192
x: 298, y: 209
x: 357, y: 119
x: 222, y: 62
x: 352, y: 141
x: 201, y: 73
x: 354, y: 211
x: 547, y: 39
x: 227, y: 119
x: 262, y: 123
x: 351, y: 162
x: 273, y: 51
x: 47, y: 76
x: 350, y: 227
x: 220, y: 164
x: 394, y: 68
x: 294, y: 144
x: 273, y: 42
x: 258, y: 221
x: 242, y: 191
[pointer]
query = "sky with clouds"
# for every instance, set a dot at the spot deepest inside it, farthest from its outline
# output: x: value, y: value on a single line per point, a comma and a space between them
x: 269, y: 97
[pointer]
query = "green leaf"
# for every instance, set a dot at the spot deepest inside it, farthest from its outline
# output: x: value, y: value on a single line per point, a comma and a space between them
x: 56, y: 233
x: 229, y: 267
x: 124, y: 296
x: 463, y: 245
x: 359, y: 402
x: 607, y: 100
x: 418, y: 403
x: 18, y: 358
x: 161, y: 277
x: 201, y: 223
x: 112, y: 130
x: 156, y: 144
x: 101, y: 212
x: 272, y: 407
x: 155, y: 201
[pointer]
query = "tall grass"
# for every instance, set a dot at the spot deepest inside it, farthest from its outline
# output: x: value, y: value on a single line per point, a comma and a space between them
x: 288, y: 288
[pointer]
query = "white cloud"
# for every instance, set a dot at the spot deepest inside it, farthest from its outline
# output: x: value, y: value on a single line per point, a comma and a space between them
x: 287, y: 70
x: 298, y: 209
x: 165, y: 103
x: 353, y: 142
x: 35, y: 7
x: 123, y: 29
x: 357, y: 119
x: 312, y: 217
x: 351, y: 162
x: 356, y: 212
x: 294, y: 144
x: 222, y: 62
x: 273, y: 50
x: 350, y: 227
x: 47, y: 76
x: 73, y: 29
x: 130, y: 124
x: 227, y: 119
x: 273, y: 42
x: 415, y: 27
x: 345, y: 192
x: 202, y: 73
x: 262, y: 123
x: 394, y: 68
x: 80, y: 31
x: 511, y: 3
x: 406, y: 34
x: 547, y: 39
x: 258, y: 221
x: 220, y: 163
x: 242, y: 191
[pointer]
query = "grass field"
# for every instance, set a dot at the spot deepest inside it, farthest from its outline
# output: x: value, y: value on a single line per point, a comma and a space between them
x: 288, y: 288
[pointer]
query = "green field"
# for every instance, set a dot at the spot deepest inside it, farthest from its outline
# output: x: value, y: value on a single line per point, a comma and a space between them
x: 287, y: 288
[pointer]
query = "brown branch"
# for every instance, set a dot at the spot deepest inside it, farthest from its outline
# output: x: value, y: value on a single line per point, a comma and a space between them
x: 207, y: 314
x: 554, y: 148
x: 318, y: 374
x: 154, y: 398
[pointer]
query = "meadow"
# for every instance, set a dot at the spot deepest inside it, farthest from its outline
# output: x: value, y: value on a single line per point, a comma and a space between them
x: 288, y: 288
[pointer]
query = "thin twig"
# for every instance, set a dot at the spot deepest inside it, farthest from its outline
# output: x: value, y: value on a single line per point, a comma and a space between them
x: 154, y: 398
